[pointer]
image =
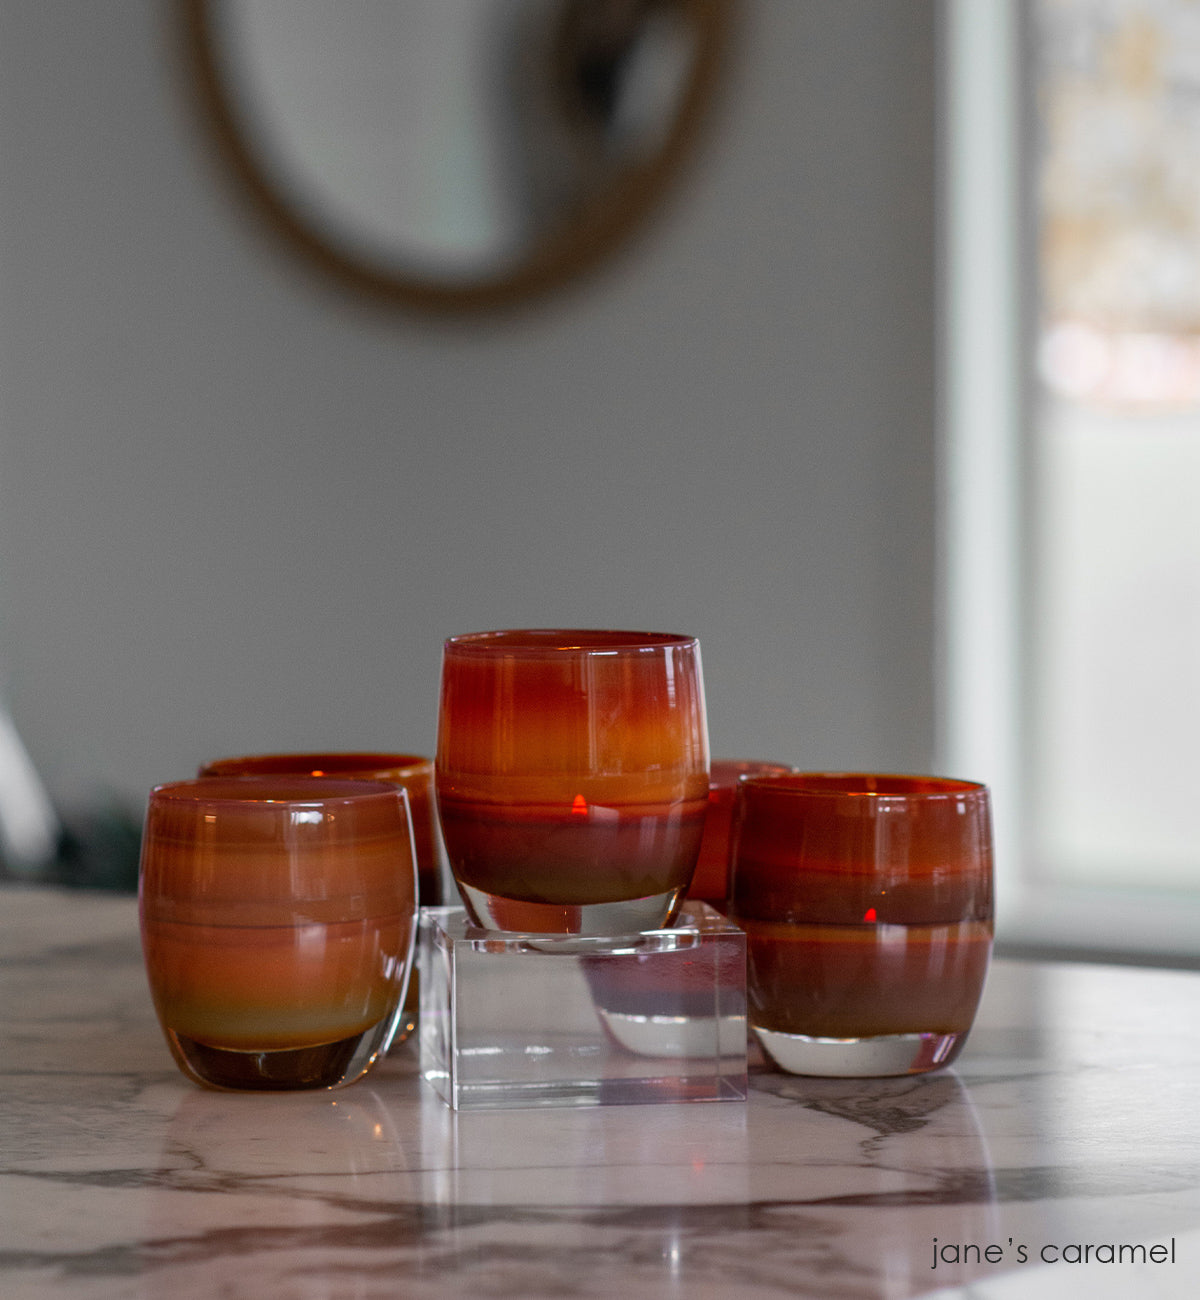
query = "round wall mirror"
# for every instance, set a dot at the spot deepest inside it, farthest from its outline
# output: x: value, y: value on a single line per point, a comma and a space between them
x: 455, y: 153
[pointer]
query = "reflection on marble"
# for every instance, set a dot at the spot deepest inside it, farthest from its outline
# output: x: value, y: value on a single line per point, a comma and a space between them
x: 1069, y: 1118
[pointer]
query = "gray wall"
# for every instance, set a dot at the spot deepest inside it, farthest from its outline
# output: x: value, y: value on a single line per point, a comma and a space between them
x: 239, y: 511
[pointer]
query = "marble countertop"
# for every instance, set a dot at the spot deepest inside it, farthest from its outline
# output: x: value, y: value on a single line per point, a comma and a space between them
x: 1069, y: 1122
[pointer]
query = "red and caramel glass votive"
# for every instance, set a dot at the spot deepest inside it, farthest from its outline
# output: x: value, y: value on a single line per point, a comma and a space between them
x: 710, y: 884
x: 278, y: 917
x: 411, y: 771
x: 867, y: 906
x: 572, y: 777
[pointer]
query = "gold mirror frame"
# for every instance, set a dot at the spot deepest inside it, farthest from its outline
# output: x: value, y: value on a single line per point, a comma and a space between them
x: 569, y: 250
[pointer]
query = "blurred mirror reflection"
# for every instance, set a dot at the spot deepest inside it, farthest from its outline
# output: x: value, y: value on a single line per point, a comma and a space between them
x: 455, y: 145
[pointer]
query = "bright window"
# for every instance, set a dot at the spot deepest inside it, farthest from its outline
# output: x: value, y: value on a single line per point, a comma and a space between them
x: 1115, y: 458
x: 1071, y: 491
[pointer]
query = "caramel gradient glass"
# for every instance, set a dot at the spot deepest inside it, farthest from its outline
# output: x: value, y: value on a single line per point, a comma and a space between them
x: 278, y: 917
x: 572, y: 777
x: 867, y: 906
x: 413, y: 772
x: 710, y: 884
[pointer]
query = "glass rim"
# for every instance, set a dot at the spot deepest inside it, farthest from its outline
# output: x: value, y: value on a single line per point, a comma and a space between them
x: 336, y: 764
x: 744, y: 769
x: 255, y: 791
x: 550, y: 642
x: 899, y: 786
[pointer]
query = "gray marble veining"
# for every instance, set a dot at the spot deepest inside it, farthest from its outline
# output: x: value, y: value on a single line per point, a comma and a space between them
x: 1068, y: 1122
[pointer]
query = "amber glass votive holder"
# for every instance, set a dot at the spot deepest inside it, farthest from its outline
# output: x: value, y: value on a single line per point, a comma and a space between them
x: 413, y: 772
x: 572, y: 777
x: 867, y: 905
x: 710, y: 883
x: 278, y: 920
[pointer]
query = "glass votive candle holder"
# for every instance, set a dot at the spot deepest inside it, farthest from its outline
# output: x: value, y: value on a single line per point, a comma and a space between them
x: 278, y: 920
x: 867, y: 906
x: 572, y: 777
x: 710, y: 883
x: 411, y: 771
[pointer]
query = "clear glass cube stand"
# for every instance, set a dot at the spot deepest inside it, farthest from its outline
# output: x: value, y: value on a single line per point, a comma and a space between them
x: 521, y: 1020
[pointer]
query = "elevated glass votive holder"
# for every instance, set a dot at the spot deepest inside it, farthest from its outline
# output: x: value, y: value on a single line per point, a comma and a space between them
x: 528, y: 1020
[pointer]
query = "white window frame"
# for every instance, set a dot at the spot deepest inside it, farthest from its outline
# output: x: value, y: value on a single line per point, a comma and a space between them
x: 985, y: 271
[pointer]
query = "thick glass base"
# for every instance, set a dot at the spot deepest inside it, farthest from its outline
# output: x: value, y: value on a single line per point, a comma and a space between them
x: 515, y: 915
x: 525, y: 1020
x: 323, y: 1065
x: 675, y: 1037
x: 861, y: 1058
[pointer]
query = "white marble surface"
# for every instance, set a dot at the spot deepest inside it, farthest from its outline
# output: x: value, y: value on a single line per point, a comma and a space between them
x: 1070, y: 1120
